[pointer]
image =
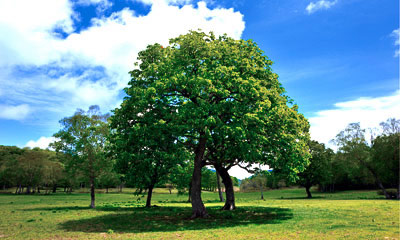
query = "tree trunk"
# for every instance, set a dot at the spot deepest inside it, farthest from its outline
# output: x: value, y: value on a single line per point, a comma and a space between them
x: 190, y: 192
x: 54, y: 188
x: 221, y: 196
x: 149, y: 195
x: 28, y: 189
x: 398, y: 191
x: 261, y: 190
x: 308, y: 191
x: 380, y: 185
x: 229, y: 193
x: 106, y: 189
x: 92, y: 194
x: 38, y: 189
x: 170, y: 192
x: 378, y: 182
x: 198, y: 208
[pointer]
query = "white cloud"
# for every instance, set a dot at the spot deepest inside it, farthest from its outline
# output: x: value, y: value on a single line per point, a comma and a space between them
x: 27, y: 38
x: 320, y: 5
x: 241, y: 173
x: 368, y: 111
x: 396, y: 35
x: 18, y: 112
x: 42, y: 142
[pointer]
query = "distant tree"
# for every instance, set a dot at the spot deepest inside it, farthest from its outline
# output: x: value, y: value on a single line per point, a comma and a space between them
x: 208, y: 180
x: 235, y: 181
x: 354, y: 147
x: 109, y: 179
x: 385, y: 154
x: 181, y: 177
x: 53, y: 171
x: 318, y: 170
x: 10, y: 174
x: 83, y: 137
x: 260, y: 180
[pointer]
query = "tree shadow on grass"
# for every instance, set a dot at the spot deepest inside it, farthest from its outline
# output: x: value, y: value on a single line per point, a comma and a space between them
x: 163, y: 219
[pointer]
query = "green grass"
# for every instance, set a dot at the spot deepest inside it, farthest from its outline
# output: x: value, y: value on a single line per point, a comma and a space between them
x: 285, y: 214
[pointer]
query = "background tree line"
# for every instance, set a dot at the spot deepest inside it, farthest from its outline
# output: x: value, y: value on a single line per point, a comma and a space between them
x: 357, y: 164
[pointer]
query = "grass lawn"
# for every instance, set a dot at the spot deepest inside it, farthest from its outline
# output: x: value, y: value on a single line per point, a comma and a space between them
x: 285, y: 214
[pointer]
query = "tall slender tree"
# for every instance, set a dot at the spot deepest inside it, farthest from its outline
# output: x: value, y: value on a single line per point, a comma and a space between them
x: 83, y: 137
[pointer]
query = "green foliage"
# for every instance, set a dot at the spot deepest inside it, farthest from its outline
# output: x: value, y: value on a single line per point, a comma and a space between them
x: 82, y: 139
x: 318, y: 172
x: 29, y: 168
x: 215, y: 97
x: 208, y: 180
x: 378, y: 162
x: 385, y: 153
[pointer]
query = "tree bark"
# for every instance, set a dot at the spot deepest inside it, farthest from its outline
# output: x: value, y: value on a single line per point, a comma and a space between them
x: 149, y: 195
x: 190, y: 191
x: 398, y: 190
x: 54, y: 188
x: 92, y: 194
x: 221, y: 196
x: 308, y: 191
x: 229, y: 193
x: 198, y: 208
x: 378, y: 182
x: 261, y: 190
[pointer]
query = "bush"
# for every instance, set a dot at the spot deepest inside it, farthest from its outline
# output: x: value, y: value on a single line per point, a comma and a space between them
x: 391, y: 192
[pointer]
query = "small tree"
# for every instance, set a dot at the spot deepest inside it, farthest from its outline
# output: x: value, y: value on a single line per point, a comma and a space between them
x: 83, y: 138
x: 318, y: 170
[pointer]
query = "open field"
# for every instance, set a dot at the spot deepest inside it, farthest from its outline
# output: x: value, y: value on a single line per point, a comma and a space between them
x: 285, y: 214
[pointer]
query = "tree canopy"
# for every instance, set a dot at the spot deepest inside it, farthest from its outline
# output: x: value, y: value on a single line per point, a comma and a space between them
x: 83, y: 138
x: 203, y: 91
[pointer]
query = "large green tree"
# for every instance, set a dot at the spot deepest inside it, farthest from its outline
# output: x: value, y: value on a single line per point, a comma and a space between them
x: 83, y: 137
x: 203, y: 86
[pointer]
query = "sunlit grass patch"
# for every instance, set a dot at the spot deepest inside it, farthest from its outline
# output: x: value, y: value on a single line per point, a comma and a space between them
x: 284, y: 214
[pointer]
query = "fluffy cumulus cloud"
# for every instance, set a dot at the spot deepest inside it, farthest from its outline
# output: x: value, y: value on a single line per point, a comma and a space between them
x: 369, y: 112
x: 319, y: 5
x: 46, y: 64
x: 42, y: 142
x: 396, y: 35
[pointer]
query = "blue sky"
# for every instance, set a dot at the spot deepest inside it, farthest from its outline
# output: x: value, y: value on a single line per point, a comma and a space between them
x: 338, y: 59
